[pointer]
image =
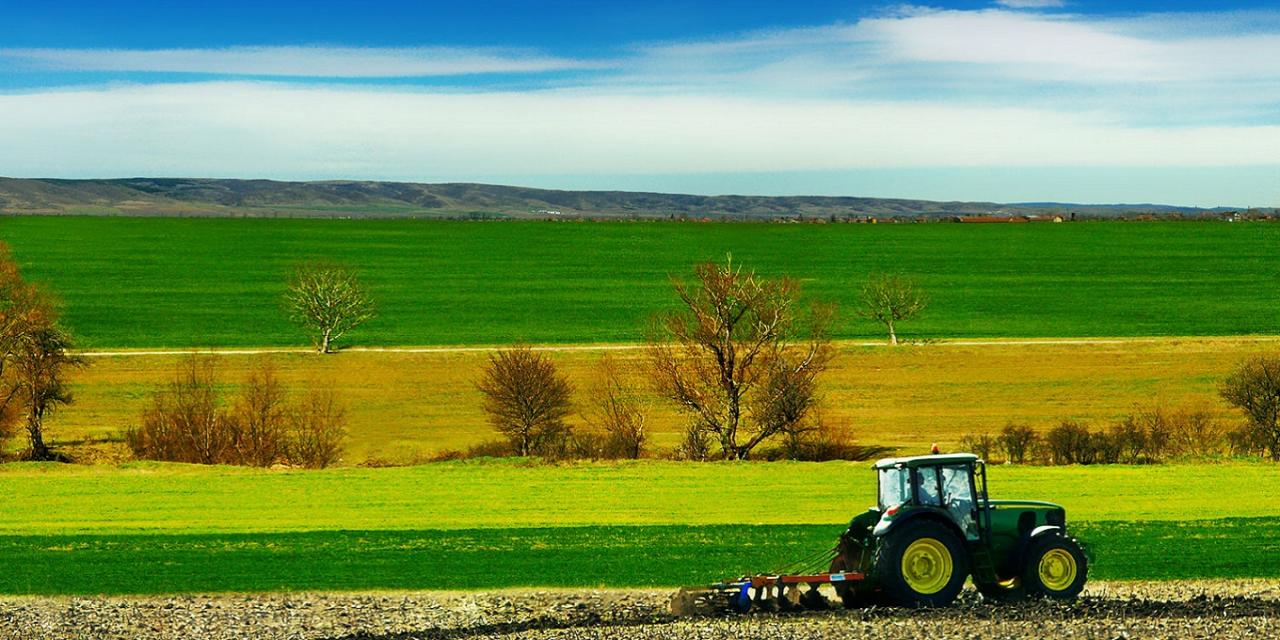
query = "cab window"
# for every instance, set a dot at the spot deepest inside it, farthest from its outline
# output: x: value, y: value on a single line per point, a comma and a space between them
x: 895, y: 488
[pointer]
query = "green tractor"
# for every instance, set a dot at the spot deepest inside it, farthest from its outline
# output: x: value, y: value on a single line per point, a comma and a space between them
x: 935, y: 526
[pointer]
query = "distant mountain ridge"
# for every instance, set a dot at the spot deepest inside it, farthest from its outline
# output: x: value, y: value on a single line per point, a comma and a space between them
x: 356, y: 198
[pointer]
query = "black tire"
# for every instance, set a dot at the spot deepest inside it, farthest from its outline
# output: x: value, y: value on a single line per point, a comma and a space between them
x: 935, y: 539
x: 1055, y: 567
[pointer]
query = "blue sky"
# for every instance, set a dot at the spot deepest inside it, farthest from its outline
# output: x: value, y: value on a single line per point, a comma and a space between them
x: 1013, y: 100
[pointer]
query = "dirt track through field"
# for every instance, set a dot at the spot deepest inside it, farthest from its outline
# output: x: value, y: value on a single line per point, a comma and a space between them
x: 1227, y: 610
x: 632, y: 347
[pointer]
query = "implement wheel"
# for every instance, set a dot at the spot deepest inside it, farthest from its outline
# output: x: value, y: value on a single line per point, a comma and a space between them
x: 921, y: 564
x: 1055, y: 568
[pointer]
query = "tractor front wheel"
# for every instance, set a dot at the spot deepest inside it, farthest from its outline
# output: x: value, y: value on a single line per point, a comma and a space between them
x: 921, y: 564
x: 1055, y: 568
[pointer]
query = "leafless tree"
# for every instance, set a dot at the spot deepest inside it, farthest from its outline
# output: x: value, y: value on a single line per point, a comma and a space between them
x: 261, y: 414
x: 615, y: 408
x: 1254, y: 387
x: 328, y: 300
x: 890, y: 299
x: 527, y: 400
x: 738, y: 357
x: 318, y: 428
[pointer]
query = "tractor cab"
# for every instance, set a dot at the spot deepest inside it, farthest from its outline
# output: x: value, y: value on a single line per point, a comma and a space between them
x: 952, y: 485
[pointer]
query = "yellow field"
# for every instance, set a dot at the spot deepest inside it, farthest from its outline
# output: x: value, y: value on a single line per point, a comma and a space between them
x: 404, y: 404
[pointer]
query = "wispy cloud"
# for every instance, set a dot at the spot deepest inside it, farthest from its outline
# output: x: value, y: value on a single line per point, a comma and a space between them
x: 299, y: 61
x: 1031, y: 4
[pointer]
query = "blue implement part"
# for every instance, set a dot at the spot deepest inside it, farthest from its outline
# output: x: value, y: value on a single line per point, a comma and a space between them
x: 742, y: 601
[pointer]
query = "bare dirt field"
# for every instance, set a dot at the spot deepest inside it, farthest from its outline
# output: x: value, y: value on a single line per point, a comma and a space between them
x: 1236, y: 609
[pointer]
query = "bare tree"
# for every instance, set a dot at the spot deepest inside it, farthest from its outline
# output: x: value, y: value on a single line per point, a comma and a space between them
x: 1254, y: 387
x: 261, y: 414
x: 318, y: 428
x: 616, y: 409
x: 527, y: 400
x: 43, y: 358
x: 327, y: 300
x: 890, y: 299
x: 737, y: 357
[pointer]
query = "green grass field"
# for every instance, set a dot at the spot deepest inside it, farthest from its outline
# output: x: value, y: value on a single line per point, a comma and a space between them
x: 149, y: 528
x: 178, y: 282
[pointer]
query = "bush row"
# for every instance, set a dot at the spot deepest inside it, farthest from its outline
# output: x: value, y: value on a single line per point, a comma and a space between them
x: 1145, y: 436
x: 190, y: 420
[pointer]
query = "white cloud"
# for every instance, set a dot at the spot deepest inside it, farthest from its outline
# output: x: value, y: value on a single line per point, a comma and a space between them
x: 284, y: 131
x: 298, y: 61
x: 997, y: 45
x: 1031, y: 4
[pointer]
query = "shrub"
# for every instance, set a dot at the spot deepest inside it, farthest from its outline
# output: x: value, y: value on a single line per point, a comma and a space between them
x: 981, y: 444
x: 617, y: 415
x: 827, y: 440
x: 317, y: 428
x: 1196, y: 431
x: 1105, y: 448
x: 261, y: 414
x: 1017, y: 441
x: 1069, y: 443
x: 185, y: 421
x: 1159, y: 434
x: 1129, y: 439
x: 695, y: 446
x: 487, y: 449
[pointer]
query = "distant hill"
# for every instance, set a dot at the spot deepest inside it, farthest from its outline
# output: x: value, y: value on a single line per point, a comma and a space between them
x: 368, y: 199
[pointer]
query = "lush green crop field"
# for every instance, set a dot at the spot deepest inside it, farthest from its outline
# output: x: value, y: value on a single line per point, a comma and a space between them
x: 161, y: 528
x: 135, y: 282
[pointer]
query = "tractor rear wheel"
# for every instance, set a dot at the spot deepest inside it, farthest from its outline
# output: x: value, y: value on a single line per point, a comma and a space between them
x: 1055, y: 568
x: 921, y: 564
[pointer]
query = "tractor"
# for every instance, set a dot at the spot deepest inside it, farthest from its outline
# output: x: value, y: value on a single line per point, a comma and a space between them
x: 933, y: 528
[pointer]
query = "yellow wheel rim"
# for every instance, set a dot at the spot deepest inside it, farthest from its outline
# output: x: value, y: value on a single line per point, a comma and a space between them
x: 927, y: 566
x: 1057, y: 569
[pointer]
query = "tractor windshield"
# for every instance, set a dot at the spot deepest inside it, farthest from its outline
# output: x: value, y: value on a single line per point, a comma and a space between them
x: 895, y: 487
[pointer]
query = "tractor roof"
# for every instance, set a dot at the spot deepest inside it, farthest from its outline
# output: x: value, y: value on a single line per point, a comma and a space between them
x: 926, y: 461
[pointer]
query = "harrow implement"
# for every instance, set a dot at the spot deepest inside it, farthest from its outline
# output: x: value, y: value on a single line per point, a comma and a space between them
x: 762, y: 593
x: 778, y: 591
